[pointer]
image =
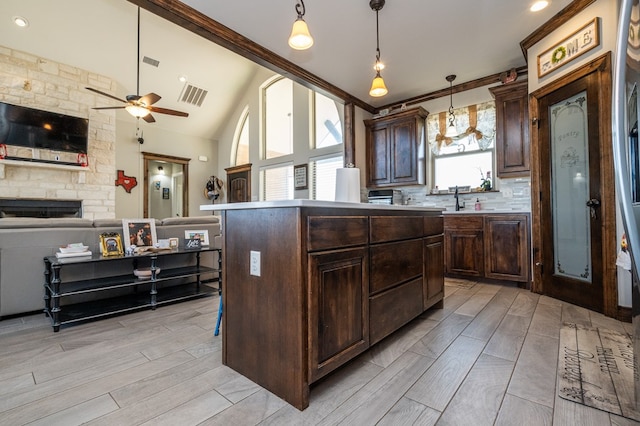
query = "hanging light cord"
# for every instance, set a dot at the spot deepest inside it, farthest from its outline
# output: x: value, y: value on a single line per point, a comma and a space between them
x: 377, y: 45
x: 452, y: 116
x: 300, y: 9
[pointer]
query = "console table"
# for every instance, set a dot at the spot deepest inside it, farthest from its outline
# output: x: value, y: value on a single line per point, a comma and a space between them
x: 96, y: 274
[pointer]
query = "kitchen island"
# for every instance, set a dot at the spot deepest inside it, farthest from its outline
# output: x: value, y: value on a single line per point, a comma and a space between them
x: 308, y: 285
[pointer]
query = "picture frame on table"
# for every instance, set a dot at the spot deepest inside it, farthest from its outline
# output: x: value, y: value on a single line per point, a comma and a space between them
x: 111, y: 244
x: 139, y: 232
x: 197, y: 234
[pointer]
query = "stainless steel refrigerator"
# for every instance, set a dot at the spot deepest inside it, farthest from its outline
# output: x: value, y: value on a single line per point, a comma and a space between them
x: 627, y: 150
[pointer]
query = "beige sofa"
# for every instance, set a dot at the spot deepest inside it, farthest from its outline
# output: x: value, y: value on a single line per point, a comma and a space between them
x: 24, y: 242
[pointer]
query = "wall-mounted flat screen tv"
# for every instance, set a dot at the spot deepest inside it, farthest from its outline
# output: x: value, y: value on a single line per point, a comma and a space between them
x: 33, y: 128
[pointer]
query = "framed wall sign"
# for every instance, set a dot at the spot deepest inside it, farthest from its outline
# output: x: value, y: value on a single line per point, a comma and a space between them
x: 300, y: 173
x: 578, y: 43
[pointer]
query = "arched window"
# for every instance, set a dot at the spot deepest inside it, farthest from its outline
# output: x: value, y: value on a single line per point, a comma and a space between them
x: 240, y: 149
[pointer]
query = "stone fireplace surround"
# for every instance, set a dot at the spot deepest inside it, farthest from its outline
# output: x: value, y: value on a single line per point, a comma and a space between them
x: 60, y: 88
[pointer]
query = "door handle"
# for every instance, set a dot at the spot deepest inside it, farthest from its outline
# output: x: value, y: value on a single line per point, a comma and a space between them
x: 593, y: 204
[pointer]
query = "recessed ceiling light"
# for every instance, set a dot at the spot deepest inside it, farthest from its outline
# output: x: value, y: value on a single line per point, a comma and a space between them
x: 20, y: 21
x: 539, y: 5
x: 182, y: 78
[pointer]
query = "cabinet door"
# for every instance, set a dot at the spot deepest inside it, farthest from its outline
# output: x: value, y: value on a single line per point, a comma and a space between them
x: 404, y: 152
x: 507, y: 247
x: 512, y: 130
x: 433, y: 290
x: 378, y: 158
x: 338, y: 308
x: 464, y: 252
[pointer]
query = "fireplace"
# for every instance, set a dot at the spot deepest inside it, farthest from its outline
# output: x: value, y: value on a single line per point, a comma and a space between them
x: 23, y: 207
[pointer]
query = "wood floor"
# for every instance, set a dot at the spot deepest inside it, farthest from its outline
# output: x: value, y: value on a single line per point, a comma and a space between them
x: 488, y: 358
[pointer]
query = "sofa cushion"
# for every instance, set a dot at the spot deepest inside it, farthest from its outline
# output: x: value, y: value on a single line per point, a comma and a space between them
x: 193, y: 220
x: 54, y: 222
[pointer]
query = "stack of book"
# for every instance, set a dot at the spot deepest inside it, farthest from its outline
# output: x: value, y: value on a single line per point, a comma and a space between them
x: 73, y: 250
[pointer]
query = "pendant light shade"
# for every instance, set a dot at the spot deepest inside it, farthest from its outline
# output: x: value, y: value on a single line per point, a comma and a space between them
x: 378, y: 88
x: 300, y: 38
x: 451, y: 128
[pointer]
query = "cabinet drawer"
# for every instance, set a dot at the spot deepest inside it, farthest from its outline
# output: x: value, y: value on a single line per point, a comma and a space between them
x: 325, y: 232
x: 393, y: 309
x: 393, y: 263
x: 393, y: 228
x: 433, y: 225
x: 475, y: 222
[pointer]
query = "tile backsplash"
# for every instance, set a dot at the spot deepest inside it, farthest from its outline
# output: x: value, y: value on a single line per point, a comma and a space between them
x: 513, y: 194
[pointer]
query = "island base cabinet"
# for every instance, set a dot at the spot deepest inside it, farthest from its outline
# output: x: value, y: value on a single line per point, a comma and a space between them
x: 433, y: 291
x: 338, y: 308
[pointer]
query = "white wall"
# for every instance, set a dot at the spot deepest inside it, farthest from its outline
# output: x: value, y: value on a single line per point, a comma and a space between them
x: 161, y: 141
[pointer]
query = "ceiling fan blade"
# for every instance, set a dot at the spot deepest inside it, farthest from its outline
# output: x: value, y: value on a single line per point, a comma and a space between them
x: 104, y: 94
x: 118, y: 107
x: 149, y: 118
x: 150, y: 98
x: 168, y: 111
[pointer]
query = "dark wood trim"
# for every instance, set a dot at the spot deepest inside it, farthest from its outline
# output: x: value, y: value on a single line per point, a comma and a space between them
x: 198, y: 23
x: 601, y: 66
x: 150, y: 156
x: 349, y: 134
x: 624, y: 314
x: 462, y: 87
x: 560, y: 18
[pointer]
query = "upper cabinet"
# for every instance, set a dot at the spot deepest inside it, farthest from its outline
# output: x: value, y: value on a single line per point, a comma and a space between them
x: 395, y: 146
x: 512, y: 129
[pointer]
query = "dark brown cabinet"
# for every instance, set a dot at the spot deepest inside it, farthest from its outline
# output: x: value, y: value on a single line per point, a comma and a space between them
x: 239, y: 183
x: 395, y: 149
x: 512, y: 129
x: 506, y: 247
x: 338, y: 310
x: 331, y: 282
x: 464, y: 248
x: 494, y: 246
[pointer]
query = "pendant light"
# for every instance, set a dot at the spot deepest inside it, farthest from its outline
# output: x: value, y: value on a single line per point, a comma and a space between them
x: 451, y: 129
x: 378, y: 88
x: 300, y: 38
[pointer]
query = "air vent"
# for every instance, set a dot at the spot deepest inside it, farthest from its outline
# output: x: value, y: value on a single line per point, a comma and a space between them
x: 151, y: 61
x: 193, y: 95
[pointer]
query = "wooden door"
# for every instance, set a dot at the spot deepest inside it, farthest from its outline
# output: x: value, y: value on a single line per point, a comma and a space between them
x: 506, y: 248
x: 338, y: 308
x: 575, y: 227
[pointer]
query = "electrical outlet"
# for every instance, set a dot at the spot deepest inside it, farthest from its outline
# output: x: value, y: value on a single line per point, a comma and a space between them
x: 254, y: 266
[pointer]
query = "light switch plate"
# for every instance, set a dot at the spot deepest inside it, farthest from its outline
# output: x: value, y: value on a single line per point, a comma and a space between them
x: 254, y: 263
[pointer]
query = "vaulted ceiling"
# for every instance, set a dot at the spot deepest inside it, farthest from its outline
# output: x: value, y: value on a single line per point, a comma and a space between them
x: 420, y: 41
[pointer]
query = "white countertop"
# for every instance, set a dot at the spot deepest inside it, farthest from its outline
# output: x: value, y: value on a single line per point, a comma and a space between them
x: 314, y: 203
x: 488, y: 211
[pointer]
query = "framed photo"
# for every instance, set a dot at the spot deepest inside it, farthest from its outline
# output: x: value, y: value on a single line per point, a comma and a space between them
x: 300, y: 176
x: 111, y: 244
x: 139, y: 232
x: 165, y: 193
x: 174, y: 243
x: 198, y: 234
x: 583, y: 40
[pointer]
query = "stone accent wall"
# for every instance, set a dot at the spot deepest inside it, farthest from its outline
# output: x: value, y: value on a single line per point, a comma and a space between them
x: 43, y: 84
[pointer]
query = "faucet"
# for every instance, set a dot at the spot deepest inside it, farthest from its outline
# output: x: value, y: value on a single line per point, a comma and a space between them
x: 457, y: 200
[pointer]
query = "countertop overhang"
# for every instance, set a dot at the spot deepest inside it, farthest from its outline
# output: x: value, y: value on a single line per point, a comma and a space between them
x: 315, y: 203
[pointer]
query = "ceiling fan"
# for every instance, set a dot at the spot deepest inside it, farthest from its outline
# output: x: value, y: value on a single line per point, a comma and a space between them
x: 136, y: 105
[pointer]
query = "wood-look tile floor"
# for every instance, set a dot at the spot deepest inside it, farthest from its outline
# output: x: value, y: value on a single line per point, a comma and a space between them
x: 488, y: 358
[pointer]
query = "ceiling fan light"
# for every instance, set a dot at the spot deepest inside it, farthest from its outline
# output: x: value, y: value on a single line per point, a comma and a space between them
x: 300, y: 38
x: 137, y: 111
x: 378, y: 88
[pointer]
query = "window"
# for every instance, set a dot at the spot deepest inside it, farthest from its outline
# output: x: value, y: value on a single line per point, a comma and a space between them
x: 465, y: 160
x: 323, y: 177
x: 278, y: 118
x: 276, y: 183
x: 327, y: 123
x: 241, y: 139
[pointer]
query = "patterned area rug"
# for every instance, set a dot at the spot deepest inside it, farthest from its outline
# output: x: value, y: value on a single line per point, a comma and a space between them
x: 596, y: 369
x: 460, y: 283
